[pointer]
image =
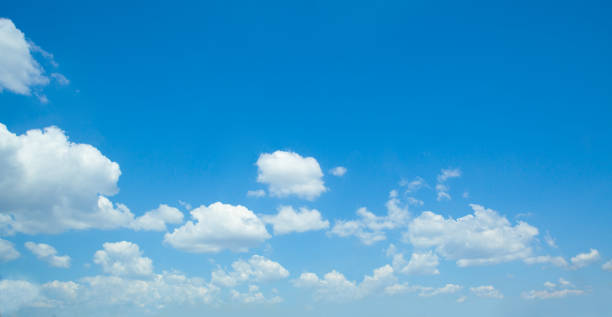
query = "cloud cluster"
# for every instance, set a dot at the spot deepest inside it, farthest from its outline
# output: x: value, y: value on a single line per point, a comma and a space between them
x: 123, y: 259
x: 51, y: 185
x: 47, y: 253
x: 370, y: 228
x: 561, y: 290
x: 288, y: 173
x: 425, y: 263
x: 441, y: 186
x: 256, y: 269
x: 219, y: 226
x: 335, y: 287
x: 483, y: 237
x: 288, y: 220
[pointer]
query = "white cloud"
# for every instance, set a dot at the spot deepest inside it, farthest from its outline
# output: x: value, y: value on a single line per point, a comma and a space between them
x: 256, y: 193
x: 423, y: 291
x: 51, y: 185
x: 607, y: 266
x: 254, y: 296
x: 446, y: 174
x: 289, y: 220
x: 99, y: 295
x: 420, y: 263
x: 546, y: 294
x: 335, y: 287
x: 156, y: 220
x: 61, y: 79
x: 219, y: 226
x: 481, y: 238
x: 461, y: 299
x: 554, y: 291
x: 257, y: 269
x: 413, y: 185
x: 441, y: 187
x: 19, y: 71
x: 288, y: 173
x: 370, y: 228
x: 583, y: 259
x: 16, y: 294
x: 7, y: 251
x: 415, y: 202
x: 123, y: 259
x: 48, y: 254
x: 549, y: 240
x: 486, y: 291
x: 338, y: 171
x: 547, y: 259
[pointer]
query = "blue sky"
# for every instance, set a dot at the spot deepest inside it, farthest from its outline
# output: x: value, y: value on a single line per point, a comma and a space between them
x: 306, y: 158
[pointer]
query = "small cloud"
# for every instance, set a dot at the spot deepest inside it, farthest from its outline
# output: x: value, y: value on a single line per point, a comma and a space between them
x: 461, y: 299
x: 256, y: 193
x: 338, y: 171
x: 60, y: 79
x: 415, y: 202
x: 549, y: 240
x: 185, y: 204
x: 584, y: 259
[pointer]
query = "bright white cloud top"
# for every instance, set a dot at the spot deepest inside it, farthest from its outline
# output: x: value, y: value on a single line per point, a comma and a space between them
x: 19, y: 71
x: 288, y: 173
x: 219, y: 226
x: 288, y: 220
x: 156, y: 220
x: 484, y: 237
x: 51, y: 185
x: 123, y: 259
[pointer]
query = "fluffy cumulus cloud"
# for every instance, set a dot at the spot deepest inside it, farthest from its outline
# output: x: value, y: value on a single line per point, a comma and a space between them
x: 47, y: 253
x: 335, y: 287
x: 19, y: 71
x: 8, y: 251
x: 338, y: 171
x: 441, y: 186
x: 50, y: 185
x: 584, y: 259
x: 256, y: 269
x: 288, y: 173
x: 370, y: 228
x: 484, y: 237
x: 288, y: 220
x: 123, y: 259
x: 486, y: 291
x: 157, y: 219
x: 425, y: 263
x: 219, y: 226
